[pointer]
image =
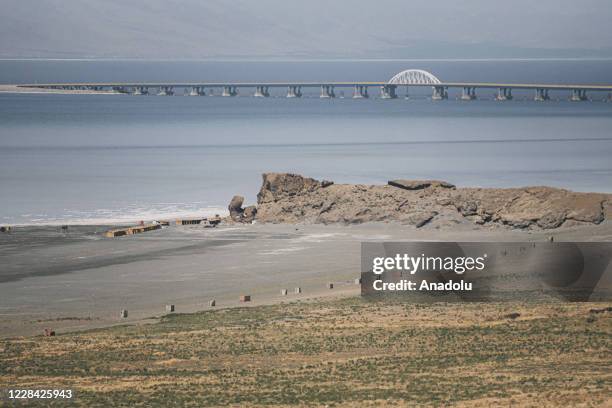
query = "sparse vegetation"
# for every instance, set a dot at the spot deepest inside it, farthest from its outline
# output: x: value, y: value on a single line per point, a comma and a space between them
x: 337, y: 353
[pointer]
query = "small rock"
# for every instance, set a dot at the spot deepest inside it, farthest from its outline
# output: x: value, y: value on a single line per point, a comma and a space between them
x: 444, y: 201
x: 249, y: 213
x: 468, y: 208
x: 327, y: 206
x: 513, y: 315
x: 551, y: 220
x: 477, y: 219
x: 421, y: 219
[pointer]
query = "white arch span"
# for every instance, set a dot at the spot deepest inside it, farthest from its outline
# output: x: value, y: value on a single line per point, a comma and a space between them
x: 414, y: 76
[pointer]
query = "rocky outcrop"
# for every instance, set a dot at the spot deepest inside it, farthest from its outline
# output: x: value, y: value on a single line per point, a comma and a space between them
x: 239, y: 214
x: 277, y: 186
x: 291, y: 198
x: 544, y: 207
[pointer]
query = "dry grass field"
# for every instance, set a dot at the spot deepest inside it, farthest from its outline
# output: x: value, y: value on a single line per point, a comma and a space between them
x: 343, y: 352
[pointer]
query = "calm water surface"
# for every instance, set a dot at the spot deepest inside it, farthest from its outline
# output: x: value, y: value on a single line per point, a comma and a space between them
x: 86, y: 158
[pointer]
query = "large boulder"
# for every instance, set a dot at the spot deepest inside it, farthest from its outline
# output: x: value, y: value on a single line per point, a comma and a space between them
x: 239, y: 214
x: 235, y: 208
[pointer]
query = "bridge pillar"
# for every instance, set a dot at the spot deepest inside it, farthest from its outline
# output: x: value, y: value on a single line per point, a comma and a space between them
x: 261, y: 91
x: 229, y: 90
x: 541, y: 95
x: 504, y: 94
x: 388, y: 91
x: 294, y: 91
x: 439, y: 93
x: 141, y: 90
x: 468, y: 93
x: 327, y: 91
x: 197, y: 91
x: 166, y: 91
x: 360, y: 92
x: 578, y: 95
x: 119, y: 89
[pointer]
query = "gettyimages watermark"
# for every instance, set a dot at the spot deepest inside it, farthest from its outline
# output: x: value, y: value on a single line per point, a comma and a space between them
x: 481, y: 271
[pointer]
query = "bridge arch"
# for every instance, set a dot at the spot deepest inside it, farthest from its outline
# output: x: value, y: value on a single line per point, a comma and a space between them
x: 414, y: 76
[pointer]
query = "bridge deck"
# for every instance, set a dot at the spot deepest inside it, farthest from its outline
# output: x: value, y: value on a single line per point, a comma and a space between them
x: 590, y: 87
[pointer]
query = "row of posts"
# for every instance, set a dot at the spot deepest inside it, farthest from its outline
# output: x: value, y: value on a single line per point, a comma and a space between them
x: 171, y: 308
x: 328, y: 91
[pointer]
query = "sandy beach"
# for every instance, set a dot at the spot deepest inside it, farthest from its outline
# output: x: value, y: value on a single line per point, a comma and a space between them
x: 79, y: 279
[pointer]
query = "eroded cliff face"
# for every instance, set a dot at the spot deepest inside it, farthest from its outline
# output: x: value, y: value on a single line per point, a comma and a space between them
x: 291, y: 198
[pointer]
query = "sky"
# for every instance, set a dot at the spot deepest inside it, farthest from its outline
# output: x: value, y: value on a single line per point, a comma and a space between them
x: 217, y: 29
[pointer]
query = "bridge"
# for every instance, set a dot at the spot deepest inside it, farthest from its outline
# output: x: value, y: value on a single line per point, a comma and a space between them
x: 412, y: 78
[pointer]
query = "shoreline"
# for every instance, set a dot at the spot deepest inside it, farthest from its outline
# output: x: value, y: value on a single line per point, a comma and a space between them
x: 81, y: 280
x: 303, y: 233
x: 17, y: 89
x: 118, y: 222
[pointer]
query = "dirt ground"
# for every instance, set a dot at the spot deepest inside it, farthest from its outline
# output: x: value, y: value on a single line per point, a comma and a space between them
x: 332, y: 352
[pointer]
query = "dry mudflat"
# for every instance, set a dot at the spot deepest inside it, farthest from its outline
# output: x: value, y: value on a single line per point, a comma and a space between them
x: 81, y: 280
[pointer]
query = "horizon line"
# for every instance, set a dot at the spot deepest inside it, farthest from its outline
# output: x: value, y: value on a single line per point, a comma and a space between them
x: 285, y: 59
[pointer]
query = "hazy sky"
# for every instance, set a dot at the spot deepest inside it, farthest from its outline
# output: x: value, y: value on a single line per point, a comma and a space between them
x: 309, y: 29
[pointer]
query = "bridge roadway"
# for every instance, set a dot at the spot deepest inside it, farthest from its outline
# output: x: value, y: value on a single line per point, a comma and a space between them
x: 318, y: 84
x: 388, y: 90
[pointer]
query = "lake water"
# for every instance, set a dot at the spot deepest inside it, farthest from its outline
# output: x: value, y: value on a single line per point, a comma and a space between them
x: 112, y: 158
